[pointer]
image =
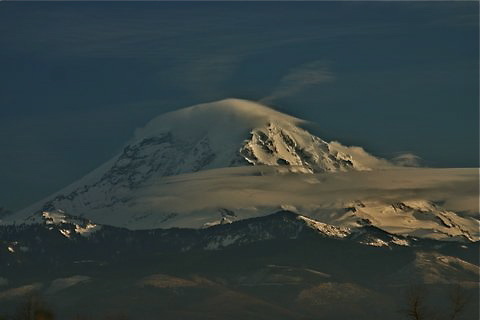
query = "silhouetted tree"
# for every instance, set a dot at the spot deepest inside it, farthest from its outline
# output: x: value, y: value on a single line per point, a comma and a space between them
x: 459, y: 300
x: 34, y: 308
x: 417, y: 308
x: 416, y: 303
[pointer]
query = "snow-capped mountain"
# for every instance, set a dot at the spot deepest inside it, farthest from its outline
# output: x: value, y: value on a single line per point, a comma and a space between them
x: 221, y: 134
x: 234, y: 159
x: 244, y: 198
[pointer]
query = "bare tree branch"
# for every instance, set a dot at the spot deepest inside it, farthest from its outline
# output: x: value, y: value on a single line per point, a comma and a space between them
x: 459, y: 300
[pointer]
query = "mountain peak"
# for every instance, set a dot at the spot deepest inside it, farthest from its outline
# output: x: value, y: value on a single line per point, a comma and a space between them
x: 236, y: 107
x: 234, y: 132
x: 221, y: 134
x: 229, y: 117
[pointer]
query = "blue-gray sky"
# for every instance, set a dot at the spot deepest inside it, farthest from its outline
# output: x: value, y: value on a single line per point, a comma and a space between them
x: 76, y: 79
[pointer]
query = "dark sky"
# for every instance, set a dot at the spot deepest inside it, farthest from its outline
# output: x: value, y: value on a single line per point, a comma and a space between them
x: 76, y: 79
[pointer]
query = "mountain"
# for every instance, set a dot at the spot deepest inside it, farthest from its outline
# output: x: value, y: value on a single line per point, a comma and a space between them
x: 232, y: 210
x: 234, y: 159
x: 59, y: 227
x: 280, y: 266
x: 227, y: 133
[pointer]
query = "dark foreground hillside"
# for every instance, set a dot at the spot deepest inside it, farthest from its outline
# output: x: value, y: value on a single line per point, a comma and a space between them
x: 274, y: 267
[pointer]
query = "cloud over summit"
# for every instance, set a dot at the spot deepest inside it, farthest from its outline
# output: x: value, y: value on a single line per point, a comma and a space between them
x: 301, y: 77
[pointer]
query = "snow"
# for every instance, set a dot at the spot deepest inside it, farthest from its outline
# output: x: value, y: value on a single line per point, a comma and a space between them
x: 65, y: 232
x: 60, y: 218
x: 86, y: 230
x: 184, y: 167
x: 400, y: 242
x: 326, y: 229
x: 220, y: 134
x: 222, y: 242
x: 384, y: 198
x: 376, y: 243
x: 415, y: 218
x: 54, y: 217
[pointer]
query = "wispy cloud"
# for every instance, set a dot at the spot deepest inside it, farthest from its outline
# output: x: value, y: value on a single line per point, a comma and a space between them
x: 456, y: 189
x: 407, y: 160
x: 301, y: 77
